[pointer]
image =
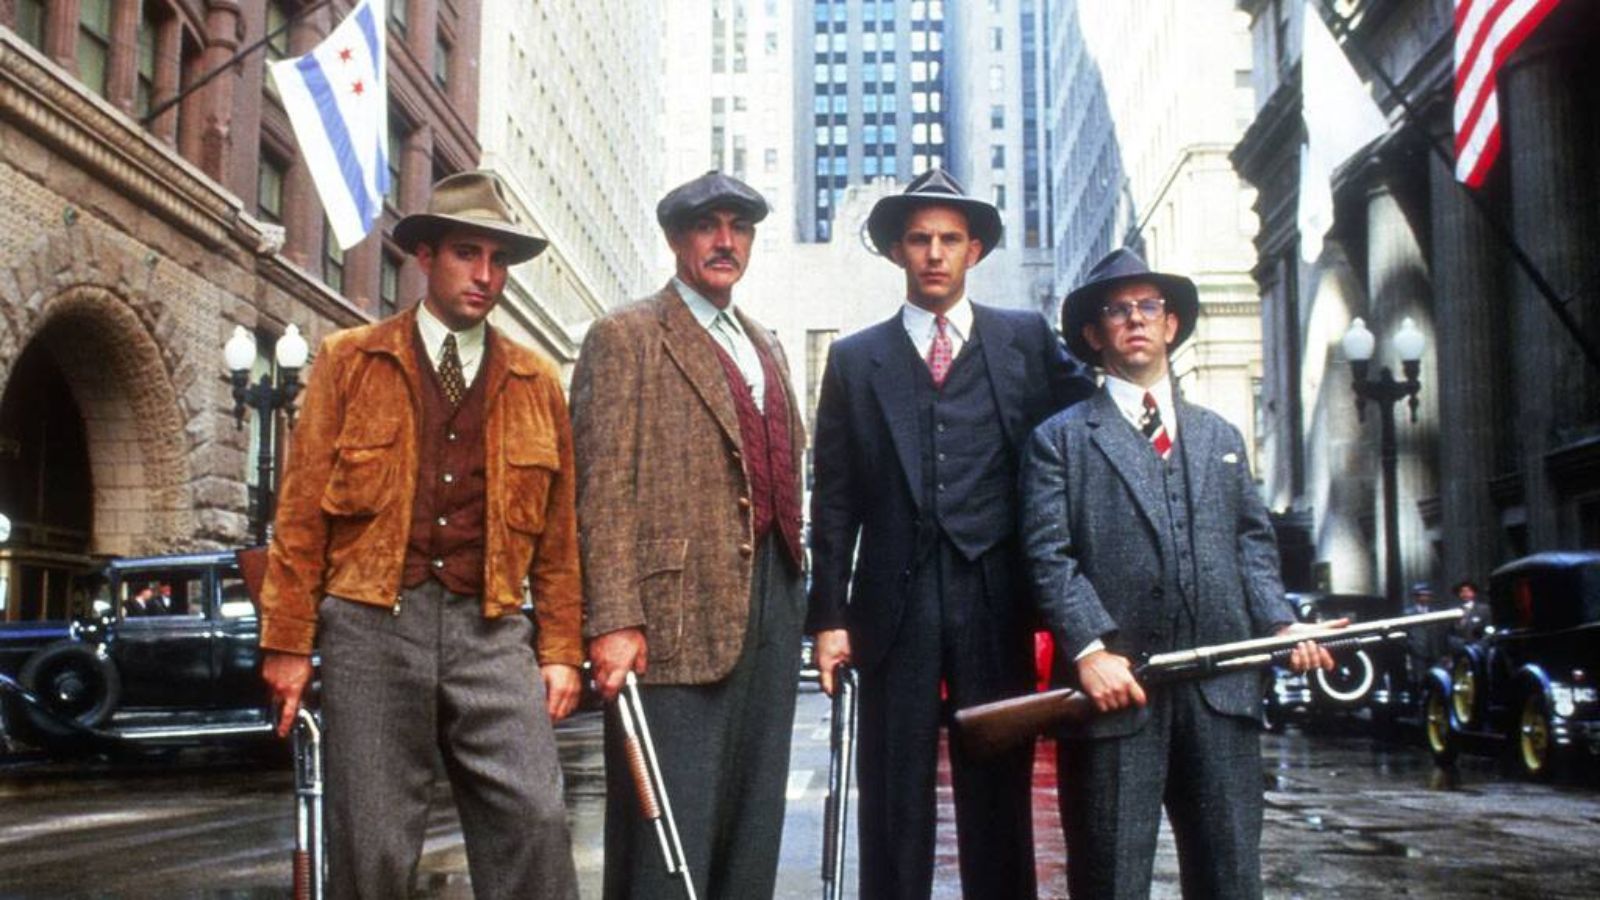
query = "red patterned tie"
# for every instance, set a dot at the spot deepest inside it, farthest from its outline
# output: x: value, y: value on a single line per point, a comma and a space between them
x: 939, y: 352
x: 1154, y: 431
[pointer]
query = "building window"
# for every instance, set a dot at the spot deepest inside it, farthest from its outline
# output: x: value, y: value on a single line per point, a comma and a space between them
x: 997, y: 39
x: 997, y: 117
x: 887, y: 104
x: 389, y: 285
x: 30, y: 21
x: 819, y: 105
x: 869, y: 103
x: 144, y: 88
x: 869, y: 166
x: 999, y: 196
x: 332, y: 259
x: 278, y: 41
x: 770, y: 160
x: 887, y: 134
x: 269, y: 188
x: 441, y: 63
x: 841, y: 104
x: 399, y: 16
x: 94, y: 44
x: 997, y: 156
x: 997, y: 79
x: 397, y: 140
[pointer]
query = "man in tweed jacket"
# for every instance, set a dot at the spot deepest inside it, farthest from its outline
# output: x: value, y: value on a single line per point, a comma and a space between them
x: 1143, y: 533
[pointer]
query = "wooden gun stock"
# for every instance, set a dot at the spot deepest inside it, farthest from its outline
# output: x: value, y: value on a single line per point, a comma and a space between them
x: 993, y: 728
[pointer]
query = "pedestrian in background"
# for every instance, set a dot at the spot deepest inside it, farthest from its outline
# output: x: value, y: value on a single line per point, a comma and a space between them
x: 430, y: 484
x: 689, y: 452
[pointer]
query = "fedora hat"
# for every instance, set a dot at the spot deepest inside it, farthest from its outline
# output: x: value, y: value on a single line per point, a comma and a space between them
x: 935, y: 187
x: 1121, y: 266
x: 713, y: 190
x: 474, y: 200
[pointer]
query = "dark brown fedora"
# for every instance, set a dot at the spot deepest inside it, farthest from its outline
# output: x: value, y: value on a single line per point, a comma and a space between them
x: 1121, y: 266
x: 473, y: 200
x: 935, y: 187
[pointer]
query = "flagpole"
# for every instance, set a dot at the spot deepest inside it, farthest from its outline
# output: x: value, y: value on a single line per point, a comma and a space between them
x: 208, y: 77
x: 1496, y: 225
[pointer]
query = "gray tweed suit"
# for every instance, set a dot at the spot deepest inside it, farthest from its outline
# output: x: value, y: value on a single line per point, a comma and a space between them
x: 1149, y: 556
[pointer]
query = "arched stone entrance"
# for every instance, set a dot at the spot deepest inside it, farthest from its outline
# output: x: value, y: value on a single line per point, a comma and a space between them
x: 115, y: 484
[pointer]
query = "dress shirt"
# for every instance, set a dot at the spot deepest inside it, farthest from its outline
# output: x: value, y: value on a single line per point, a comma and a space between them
x: 469, y: 343
x: 920, y: 326
x: 730, y: 335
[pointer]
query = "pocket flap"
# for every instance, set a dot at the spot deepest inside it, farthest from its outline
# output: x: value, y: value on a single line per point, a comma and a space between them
x: 656, y: 557
x: 363, y: 432
x: 534, y: 453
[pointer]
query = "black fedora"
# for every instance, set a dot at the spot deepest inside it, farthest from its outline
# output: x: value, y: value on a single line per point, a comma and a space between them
x: 935, y: 187
x: 1119, y: 267
x: 475, y: 201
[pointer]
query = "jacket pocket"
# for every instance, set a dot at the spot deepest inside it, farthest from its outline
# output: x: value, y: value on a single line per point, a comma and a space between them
x: 363, y: 479
x: 660, y: 566
x: 530, y: 467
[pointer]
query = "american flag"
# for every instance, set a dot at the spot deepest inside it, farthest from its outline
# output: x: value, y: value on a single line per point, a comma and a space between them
x: 1487, y: 33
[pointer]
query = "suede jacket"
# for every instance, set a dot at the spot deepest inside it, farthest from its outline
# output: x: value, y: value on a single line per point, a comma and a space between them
x: 345, y: 503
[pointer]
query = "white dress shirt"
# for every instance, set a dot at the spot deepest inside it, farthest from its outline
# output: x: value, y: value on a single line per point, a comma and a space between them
x: 921, y: 326
x: 469, y: 343
x: 730, y: 335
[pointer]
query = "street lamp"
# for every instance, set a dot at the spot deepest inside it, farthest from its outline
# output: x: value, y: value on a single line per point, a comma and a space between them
x: 266, y: 399
x: 1386, y: 391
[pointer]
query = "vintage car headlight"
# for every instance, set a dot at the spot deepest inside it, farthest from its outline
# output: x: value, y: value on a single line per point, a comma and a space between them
x: 1563, y: 699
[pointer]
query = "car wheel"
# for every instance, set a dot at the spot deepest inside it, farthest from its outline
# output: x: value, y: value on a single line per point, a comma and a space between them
x: 1272, y: 717
x: 75, y: 683
x: 1436, y: 726
x: 1533, y: 741
x: 1350, y: 681
x: 1463, y: 690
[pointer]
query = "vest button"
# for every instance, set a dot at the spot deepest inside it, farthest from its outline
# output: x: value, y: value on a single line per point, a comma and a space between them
x: 448, y: 478
x: 744, y: 502
x: 443, y: 521
x: 745, y: 550
x: 438, y: 564
x: 450, y: 437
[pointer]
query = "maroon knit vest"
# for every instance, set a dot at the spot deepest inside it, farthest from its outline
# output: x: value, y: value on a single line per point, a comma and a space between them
x: 768, y: 452
x: 447, y: 515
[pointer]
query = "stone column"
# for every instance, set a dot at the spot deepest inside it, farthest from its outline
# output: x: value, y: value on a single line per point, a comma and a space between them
x: 1552, y: 135
x: 1471, y: 327
x: 216, y: 136
x: 1398, y: 287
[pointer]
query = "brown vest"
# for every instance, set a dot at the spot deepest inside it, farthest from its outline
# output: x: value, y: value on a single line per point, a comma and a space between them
x: 447, y: 516
x: 768, y: 452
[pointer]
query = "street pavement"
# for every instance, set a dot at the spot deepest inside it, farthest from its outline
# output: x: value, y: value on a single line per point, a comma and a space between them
x: 1347, y: 817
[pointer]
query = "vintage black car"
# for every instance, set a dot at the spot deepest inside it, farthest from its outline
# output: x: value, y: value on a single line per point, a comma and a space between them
x: 1528, y: 683
x: 162, y: 651
x: 1373, y: 678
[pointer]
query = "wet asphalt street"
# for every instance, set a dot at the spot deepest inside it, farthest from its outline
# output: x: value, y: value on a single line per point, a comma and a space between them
x: 1346, y: 817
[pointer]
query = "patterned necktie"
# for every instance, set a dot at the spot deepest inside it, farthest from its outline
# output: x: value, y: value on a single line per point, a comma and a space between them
x: 450, y: 377
x: 939, y: 352
x: 1154, y: 431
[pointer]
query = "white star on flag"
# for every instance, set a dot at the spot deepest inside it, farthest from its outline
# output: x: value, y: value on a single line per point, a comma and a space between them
x: 336, y: 97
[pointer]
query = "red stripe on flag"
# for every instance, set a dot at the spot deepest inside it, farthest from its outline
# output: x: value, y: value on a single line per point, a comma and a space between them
x: 1470, y: 45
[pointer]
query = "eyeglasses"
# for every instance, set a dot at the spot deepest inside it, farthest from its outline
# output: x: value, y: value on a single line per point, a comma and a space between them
x: 1120, y: 312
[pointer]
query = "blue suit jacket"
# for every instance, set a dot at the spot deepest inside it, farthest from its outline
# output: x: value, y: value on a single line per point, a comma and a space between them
x: 868, y: 461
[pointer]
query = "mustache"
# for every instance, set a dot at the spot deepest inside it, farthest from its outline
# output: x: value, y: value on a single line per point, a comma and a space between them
x: 723, y: 256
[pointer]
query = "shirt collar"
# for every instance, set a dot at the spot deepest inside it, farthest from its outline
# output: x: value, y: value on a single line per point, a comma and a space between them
x: 1129, y: 398
x: 919, y: 321
x: 469, y: 343
x: 704, y: 311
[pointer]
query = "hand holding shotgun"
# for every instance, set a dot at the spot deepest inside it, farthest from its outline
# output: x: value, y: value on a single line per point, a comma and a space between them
x: 640, y: 751
x: 993, y: 727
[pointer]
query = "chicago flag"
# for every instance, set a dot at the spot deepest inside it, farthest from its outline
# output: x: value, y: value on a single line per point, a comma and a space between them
x: 337, y: 100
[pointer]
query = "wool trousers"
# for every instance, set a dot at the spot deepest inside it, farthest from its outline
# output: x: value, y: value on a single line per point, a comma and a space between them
x: 724, y: 755
x: 438, y: 680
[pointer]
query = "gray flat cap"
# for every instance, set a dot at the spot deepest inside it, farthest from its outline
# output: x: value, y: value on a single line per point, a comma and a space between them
x: 713, y: 190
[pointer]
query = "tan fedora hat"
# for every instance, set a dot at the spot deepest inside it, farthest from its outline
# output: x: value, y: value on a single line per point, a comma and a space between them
x: 475, y: 200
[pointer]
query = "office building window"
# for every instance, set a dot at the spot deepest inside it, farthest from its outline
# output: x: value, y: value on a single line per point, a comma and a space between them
x: 396, y: 144
x: 269, y: 188
x: 822, y: 136
x: 999, y: 196
x: 399, y: 15
x: 887, y: 166
x: 869, y: 166
x: 841, y: 165
x: 997, y: 117
x: 819, y: 105
x: 389, y: 285
x: 30, y: 21
x: 887, y: 104
x: 94, y: 44
x: 869, y: 103
x: 997, y: 79
x: 820, y: 73
x: 770, y: 160
x: 144, y: 88
x: 888, y: 72
x: 997, y: 39
x: 332, y: 260
x: 441, y: 63
x: 841, y: 104
x: 887, y: 134
x: 997, y: 156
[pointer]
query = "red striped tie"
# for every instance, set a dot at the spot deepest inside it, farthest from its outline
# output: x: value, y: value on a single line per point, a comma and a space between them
x: 939, y: 353
x: 1154, y: 431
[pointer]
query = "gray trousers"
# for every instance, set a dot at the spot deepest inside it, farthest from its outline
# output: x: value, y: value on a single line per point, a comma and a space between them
x: 724, y: 753
x: 1203, y: 766
x: 399, y: 691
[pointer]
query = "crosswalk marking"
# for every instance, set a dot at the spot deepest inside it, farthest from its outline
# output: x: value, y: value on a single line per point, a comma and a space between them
x: 799, y: 780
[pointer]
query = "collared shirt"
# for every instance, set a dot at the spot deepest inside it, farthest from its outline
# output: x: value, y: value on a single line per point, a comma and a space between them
x: 730, y: 335
x: 921, y: 327
x: 469, y: 343
x: 1129, y: 398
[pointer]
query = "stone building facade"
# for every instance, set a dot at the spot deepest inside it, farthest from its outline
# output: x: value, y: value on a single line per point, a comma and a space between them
x: 129, y: 250
x: 1504, y: 458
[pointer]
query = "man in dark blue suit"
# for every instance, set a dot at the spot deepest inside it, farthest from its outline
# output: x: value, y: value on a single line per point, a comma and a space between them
x: 919, y: 427
x: 1143, y: 533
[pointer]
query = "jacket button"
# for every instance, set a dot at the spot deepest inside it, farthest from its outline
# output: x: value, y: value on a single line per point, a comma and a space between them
x: 744, y: 502
x: 745, y: 550
x: 734, y: 453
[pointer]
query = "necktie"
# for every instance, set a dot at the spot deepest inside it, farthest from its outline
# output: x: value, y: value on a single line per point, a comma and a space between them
x: 450, y: 378
x: 1154, y: 431
x: 939, y: 352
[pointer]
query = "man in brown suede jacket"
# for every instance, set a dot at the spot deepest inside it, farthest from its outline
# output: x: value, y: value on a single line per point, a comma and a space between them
x: 429, y: 486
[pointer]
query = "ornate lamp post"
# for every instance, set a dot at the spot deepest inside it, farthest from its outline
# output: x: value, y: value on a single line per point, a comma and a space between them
x: 266, y: 398
x: 1385, y: 391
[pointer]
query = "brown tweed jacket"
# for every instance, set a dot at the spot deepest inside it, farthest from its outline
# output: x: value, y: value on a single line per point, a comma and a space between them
x: 664, y: 513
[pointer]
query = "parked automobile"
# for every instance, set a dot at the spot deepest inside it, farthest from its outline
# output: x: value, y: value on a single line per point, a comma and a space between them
x: 162, y: 651
x: 1529, y: 682
x: 1373, y: 678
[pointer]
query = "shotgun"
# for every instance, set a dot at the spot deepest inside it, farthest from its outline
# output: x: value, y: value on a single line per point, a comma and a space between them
x: 992, y: 728
x: 640, y: 750
x: 310, y: 879
x: 841, y: 765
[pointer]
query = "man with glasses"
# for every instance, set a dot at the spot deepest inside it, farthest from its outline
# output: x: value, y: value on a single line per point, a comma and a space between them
x: 1143, y: 533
